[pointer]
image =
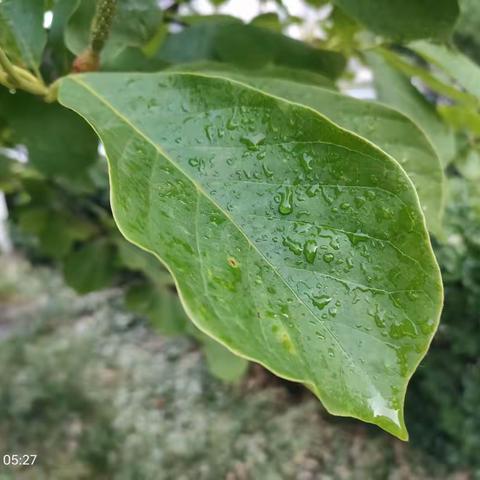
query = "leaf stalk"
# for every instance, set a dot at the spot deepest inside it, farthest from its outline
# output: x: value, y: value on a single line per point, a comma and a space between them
x: 14, y: 77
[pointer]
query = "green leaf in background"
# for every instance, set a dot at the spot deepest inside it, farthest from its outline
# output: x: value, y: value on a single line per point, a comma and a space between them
x: 58, y: 142
x: 56, y: 230
x: 453, y: 63
x: 467, y: 28
x: 270, y: 21
x: 222, y: 363
x: 293, y: 242
x: 393, y: 88
x: 9, y: 173
x: 468, y: 164
x: 138, y: 260
x: 341, y: 31
x: 190, y: 20
x: 91, y: 267
x: 21, y: 31
x: 160, y: 305
x: 271, y: 71
x: 135, y: 23
x: 461, y: 117
x: 387, y: 128
x: 441, y: 84
x: 247, y: 46
x: 61, y: 56
x: 405, y: 19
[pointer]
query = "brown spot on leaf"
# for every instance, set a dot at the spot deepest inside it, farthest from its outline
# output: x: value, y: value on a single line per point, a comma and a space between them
x: 233, y: 262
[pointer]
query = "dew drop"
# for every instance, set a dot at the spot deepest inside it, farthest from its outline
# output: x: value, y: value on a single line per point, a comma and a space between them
x: 253, y: 141
x: 332, y: 311
x: 209, y: 132
x: 356, y: 238
x: 268, y: 173
x: 360, y: 201
x: 328, y: 257
x: 312, y: 190
x: 293, y: 246
x: 385, y: 213
x: 306, y: 162
x: 310, y: 250
x: 412, y: 294
x: 334, y: 243
x: 232, y: 124
x: 194, y: 162
x: 286, y: 201
x: 321, y: 301
x: 378, y: 316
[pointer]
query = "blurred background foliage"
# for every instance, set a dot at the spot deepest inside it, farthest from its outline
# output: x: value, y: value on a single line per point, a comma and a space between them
x: 96, y: 393
x: 79, y: 374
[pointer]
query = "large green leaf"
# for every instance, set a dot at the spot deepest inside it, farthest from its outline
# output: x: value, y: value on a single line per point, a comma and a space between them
x: 247, y: 46
x: 293, y: 242
x: 389, y: 129
x: 58, y: 142
x: 405, y: 19
x: 395, y: 89
x: 21, y: 31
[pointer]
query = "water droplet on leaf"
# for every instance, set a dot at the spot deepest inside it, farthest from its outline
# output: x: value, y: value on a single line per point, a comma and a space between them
x: 286, y: 201
x: 310, y: 250
x: 321, y: 301
x: 328, y: 257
